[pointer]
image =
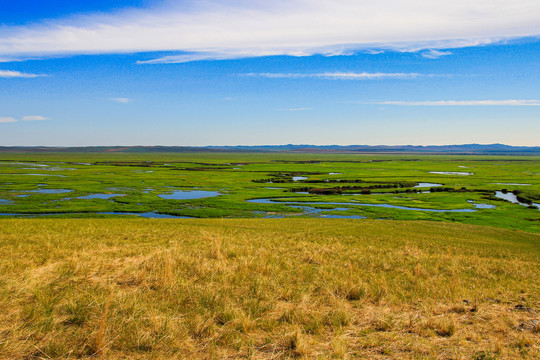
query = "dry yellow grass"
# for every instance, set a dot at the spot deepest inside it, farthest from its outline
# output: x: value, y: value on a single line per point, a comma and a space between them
x: 266, y: 289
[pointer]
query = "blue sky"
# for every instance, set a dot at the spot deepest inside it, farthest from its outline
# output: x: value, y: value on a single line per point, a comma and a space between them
x: 250, y: 72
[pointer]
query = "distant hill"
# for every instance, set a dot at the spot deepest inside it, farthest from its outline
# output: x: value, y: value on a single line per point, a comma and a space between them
x: 473, y: 149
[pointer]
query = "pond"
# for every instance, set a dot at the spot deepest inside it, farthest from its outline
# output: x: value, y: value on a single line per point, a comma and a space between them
x: 148, y: 215
x: 298, y: 178
x: 513, y: 199
x: 296, y: 204
x: 189, y: 194
x: 49, y: 191
x: 451, y: 173
x: 515, y: 184
x: 35, y: 166
x: 311, y: 211
x: 335, y: 173
x: 422, y: 184
x: 481, y: 206
x: 4, y: 202
x: 22, y: 164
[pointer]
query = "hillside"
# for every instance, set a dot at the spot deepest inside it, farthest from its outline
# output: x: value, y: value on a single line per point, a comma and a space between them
x: 266, y: 289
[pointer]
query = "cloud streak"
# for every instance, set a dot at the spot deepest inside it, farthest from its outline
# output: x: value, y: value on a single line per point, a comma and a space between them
x: 35, y: 118
x: 435, y: 54
x: 17, y: 74
x: 461, y: 103
x: 337, y: 76
x: 121, y: 100
x: 214, y: 29
x: 24, y: 118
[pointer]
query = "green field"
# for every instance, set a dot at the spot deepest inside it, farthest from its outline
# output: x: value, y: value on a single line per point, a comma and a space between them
x: 376, y: 181
x: 266, y: 289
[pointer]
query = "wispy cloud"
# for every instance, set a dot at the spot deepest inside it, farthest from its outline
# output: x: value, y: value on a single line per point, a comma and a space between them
x: 35, y: 118
x: 461, y: 103
x: 435, y: 54
x: 337, y: 75
x: 296, y: 109
x: 216, y: 29
x: 7, y: 120
x: 121, y: 100
x: 17, y: 74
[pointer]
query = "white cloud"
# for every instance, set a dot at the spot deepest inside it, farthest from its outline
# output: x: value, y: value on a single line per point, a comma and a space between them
x: 7, y: 120
x: 35, y: 118
x: 461, y: 103
x: 337, y: 76
x: 216, y: 29
x: 17, y: 74
x: 121, y: 100
x: 435, y: 54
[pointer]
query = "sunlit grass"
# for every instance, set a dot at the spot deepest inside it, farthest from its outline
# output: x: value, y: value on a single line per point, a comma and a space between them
x: 266, y: 289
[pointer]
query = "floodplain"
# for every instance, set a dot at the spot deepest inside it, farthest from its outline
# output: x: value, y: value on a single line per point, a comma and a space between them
x: 496, y: 191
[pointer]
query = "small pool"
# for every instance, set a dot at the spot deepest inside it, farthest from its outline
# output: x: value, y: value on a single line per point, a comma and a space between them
x: 189, y: 194
x: 299, y: 178
x: 422, y: 185
x: 513, y: 199
x: 302, y: 203
x: 49, y: 191
x: 459, y: 173
x: 513, y: 184
x: 481, y: 206
x: 148, y: 215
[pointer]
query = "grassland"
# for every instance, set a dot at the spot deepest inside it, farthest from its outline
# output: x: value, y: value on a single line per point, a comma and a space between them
x: 266, y: 289
x: 385, y: 180
x: 397, y: 284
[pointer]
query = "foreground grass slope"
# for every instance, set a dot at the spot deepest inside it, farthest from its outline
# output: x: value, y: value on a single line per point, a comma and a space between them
x: 266, y: 289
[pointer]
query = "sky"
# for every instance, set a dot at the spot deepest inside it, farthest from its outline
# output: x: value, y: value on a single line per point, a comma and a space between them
x: 254, y: 72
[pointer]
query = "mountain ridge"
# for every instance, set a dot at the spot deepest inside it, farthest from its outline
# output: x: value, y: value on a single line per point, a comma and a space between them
x: 473, y: 149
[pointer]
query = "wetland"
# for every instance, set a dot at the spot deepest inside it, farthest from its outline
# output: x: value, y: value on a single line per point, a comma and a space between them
x: 501, y: 191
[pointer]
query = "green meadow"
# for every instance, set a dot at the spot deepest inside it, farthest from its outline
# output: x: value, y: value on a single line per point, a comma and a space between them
x: 96, y: 185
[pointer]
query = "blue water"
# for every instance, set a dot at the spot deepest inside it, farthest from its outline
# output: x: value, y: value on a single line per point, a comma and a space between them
x: 4, y: 202
x: 451, y: 173
x: 481, y: 206
x: 512, y: 184
x: 148, y: 215
x: 308, y: 210
x: 189, y: 195
x: 512, y: 198
x: 298, y: 178
x: 49, y: 191
x: 272, y: 201
x: 421, y: 185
